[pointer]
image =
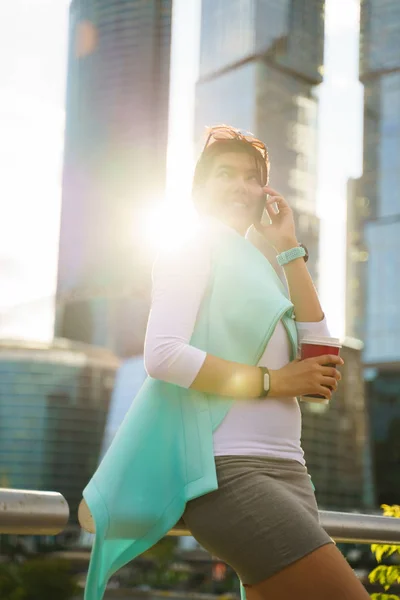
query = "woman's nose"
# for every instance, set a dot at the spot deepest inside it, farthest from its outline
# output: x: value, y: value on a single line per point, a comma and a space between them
x: 240, y: 183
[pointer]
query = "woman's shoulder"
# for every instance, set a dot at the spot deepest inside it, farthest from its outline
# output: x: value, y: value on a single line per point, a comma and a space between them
x: 191, y: 251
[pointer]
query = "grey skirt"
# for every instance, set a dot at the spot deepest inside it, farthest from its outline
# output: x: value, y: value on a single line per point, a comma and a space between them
x: 262, y: 517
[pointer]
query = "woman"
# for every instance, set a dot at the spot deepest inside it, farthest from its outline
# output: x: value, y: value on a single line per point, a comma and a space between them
x: 263, y: 518
x: 213, y: 436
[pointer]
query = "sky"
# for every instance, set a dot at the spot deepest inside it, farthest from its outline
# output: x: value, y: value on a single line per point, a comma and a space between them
x: 33, y: 41
x: 340, y: 150
x: 33, y: 49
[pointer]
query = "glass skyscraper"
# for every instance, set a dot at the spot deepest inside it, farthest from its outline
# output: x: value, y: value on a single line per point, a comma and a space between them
x: 260, y: 61
x: 54, y: 401
x: 358, y: 210
x: 114, y: 166
x: 380, y: 184
x: 374, y: 238
x: 336, y: 440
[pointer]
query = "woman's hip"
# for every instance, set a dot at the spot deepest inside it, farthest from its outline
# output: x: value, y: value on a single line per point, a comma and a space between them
x: 262, y: 516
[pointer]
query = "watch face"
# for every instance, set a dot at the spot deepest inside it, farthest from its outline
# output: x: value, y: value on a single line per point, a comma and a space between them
x: 266, y: 382
x: 305, y: 248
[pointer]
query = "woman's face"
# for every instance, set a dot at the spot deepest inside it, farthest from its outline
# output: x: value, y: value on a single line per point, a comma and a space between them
x: 233, y: 192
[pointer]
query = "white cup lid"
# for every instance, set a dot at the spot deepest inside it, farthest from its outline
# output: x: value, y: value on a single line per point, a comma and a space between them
x: 321, y: 340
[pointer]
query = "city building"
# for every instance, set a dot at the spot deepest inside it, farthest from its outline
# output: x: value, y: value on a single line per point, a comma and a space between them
x: 116, y: 133
x: 336, y: 440
x: 358, y: 211
x: 379, y: 184
x: 54, y: 401
x: 260, y: 62
x: 383, y: 395
x: 373, y: 233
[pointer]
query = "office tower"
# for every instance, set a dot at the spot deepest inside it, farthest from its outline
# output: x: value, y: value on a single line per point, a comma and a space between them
x: 336, y: 440
x: 54, y: 401
x: 380, y: 182
x: 374, y: 227
x: 260, y: 61
x: 114, y: 167
x: 356, y: 260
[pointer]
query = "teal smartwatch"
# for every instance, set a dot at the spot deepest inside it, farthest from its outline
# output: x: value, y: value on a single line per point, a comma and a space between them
x: 286, y: 257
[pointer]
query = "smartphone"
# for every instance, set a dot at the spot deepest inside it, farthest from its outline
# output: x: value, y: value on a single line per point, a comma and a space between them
x: 260, y: 210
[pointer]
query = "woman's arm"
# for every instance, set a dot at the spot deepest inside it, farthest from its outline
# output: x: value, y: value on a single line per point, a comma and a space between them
x: 302, y: 290
x: 319, y: 328
x: 226, y: 378
x: 281, y: 235
x: 179, y: 284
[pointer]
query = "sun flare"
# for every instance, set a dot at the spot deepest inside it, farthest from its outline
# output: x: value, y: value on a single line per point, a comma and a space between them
x: 168, y: 226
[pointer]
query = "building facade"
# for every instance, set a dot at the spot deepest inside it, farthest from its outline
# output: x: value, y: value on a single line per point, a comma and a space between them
x: 374, y: 238
x: 358, y: 210
x: 336, y: 440
x: 114, y: 166
x: 380, y: 182
x: 54, y: 401
x: 260, y: 61
x: 383, y: 396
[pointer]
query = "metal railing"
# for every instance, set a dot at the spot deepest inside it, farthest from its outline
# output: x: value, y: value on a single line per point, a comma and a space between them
x: 341, y: 526
x: 46, y: 513
x: 347, y: 527
x: 25, y: 512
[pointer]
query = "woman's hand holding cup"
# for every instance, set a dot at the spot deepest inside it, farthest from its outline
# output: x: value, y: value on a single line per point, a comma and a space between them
x: 310, y: 376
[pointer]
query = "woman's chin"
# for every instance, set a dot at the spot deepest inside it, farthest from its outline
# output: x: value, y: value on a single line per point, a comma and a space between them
x: 238, y: 222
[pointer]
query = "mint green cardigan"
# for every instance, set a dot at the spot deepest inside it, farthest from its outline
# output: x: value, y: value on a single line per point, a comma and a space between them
x: 162, y: 455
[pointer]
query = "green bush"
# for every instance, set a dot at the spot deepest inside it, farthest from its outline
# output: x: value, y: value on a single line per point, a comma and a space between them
x: 386, y: 575
x: 10, y: 585
x: 38, y: 579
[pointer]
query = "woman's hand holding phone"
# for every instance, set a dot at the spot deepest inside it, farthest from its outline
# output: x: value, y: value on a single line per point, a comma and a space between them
x: 281, y: 232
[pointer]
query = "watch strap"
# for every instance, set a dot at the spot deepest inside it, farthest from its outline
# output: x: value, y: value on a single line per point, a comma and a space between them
x: 285, y: 257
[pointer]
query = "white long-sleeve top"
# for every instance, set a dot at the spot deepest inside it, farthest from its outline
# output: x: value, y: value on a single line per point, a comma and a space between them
x: 271, y: 427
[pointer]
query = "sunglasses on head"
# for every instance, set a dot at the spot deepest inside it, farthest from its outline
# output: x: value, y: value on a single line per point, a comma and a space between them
x: 221, y: 133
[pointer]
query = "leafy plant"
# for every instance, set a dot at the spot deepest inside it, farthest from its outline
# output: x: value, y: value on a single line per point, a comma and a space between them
x: 10, y: 584
x: 39, y: 579
x: 386, y: 575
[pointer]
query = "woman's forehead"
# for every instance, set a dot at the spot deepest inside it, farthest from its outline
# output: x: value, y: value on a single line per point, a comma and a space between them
x: 236, y: 160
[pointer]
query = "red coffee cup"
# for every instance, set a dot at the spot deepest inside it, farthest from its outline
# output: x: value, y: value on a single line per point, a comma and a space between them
x: 312, y: 346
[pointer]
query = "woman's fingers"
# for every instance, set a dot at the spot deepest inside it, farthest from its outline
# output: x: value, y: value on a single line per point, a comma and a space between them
x: 269, y: 190
x: 331, y: 372
x: 330, y: 382
x: 326, y: 359
x: 324, y: 391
